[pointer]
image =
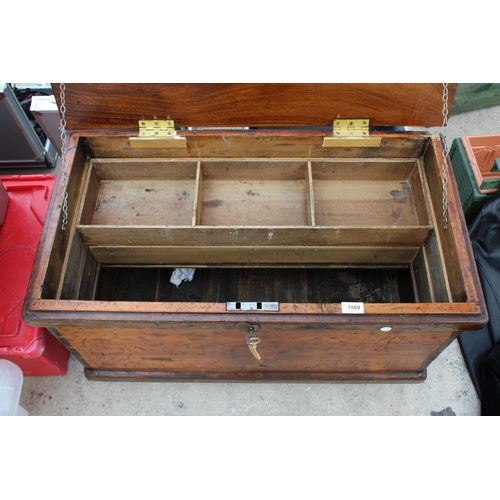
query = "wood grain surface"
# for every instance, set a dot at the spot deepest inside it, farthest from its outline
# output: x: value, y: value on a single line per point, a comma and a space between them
x: 118, y: 105
x: 283, y: 347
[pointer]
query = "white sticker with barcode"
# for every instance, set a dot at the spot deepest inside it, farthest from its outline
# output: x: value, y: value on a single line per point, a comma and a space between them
x: 353, y: 308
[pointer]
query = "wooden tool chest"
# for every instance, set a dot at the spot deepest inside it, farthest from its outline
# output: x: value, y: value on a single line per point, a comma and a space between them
x: 320, y: 254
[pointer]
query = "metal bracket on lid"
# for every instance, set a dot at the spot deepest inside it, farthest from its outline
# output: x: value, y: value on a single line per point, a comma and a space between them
x: 351, y: 133
x: 157, y: 134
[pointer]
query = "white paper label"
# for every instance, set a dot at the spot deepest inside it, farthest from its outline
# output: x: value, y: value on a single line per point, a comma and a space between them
x: 353, y: 308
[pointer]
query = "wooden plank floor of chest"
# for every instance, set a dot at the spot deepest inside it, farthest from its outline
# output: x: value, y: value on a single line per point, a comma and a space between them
x: 317, y: 258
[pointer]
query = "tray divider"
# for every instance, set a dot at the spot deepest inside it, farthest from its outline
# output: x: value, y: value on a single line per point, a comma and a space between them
x: 198, y: 196
x: 310, y: 195
x: 86, y: 203
x: 428, y: 275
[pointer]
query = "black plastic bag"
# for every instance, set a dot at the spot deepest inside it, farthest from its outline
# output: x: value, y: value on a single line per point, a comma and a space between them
x: 481, y: 349
x: 490, y: 383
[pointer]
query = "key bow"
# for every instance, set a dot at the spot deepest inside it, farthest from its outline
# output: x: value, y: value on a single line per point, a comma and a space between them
x: 252, y: 342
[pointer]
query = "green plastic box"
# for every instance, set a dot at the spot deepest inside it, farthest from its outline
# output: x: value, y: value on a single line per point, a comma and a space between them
x: 472, y: 200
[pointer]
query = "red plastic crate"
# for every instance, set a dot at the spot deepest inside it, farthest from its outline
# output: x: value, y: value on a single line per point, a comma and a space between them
x: 4, y: 201
x: 35, y: 350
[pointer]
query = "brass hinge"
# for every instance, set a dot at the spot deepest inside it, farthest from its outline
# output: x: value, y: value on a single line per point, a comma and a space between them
x: 351, y: 133
x: 157, y: 134
x: 156, y: 128
x: 351, y: 128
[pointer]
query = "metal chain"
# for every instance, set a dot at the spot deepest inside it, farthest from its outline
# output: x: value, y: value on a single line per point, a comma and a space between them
x: 62, y: 110
x: 446, y: 155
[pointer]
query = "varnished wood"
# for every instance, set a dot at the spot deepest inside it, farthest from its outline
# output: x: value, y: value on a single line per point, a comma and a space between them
x: 112, y: 105
x: 222, y: 348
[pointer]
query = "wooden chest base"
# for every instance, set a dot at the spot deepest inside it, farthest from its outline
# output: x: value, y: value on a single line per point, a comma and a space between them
x: 297, y: 377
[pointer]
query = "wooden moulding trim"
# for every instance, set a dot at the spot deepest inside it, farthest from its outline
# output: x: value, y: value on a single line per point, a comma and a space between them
x: 82, y: 306
x: 117, y: 376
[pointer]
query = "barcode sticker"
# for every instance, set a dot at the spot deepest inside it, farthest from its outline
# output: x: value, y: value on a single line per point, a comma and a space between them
x: 353, y: 308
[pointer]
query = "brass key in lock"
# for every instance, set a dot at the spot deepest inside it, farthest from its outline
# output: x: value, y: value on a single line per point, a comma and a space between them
x: 252, y: 342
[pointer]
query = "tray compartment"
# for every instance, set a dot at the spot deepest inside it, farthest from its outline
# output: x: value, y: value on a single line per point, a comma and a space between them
x: 380, y: 193
x: 289, y: 285
x: 242, y: 202
x: 254, y: 193
x: 288, y: 280
x: 140, y: 193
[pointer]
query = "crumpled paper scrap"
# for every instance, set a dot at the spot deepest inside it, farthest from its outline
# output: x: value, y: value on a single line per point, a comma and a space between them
x: 182, y: 274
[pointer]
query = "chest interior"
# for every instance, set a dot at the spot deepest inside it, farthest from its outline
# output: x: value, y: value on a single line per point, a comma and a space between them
x: 262, y: 217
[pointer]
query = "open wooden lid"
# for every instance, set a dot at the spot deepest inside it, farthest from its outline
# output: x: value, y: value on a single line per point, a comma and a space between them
x: 118, y: 105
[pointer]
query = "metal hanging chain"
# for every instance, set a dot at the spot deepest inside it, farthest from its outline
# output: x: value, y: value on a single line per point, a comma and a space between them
x: 62, y: 110
x: 446, y: 155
